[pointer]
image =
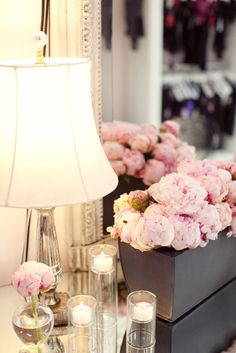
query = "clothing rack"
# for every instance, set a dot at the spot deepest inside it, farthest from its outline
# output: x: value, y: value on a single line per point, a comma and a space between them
x: 201, y: 98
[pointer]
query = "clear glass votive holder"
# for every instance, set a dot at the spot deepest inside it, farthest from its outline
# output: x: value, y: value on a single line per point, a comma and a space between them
x: 103, y: 286
x: 141, y: 322
x: 82, y: 324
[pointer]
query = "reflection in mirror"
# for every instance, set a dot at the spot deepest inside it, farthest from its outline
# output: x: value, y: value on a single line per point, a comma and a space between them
x: 106, y: 53
x: 166, y: 45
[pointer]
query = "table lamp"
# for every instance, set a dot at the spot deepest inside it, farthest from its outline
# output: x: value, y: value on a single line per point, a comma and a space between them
x: 50, y: 152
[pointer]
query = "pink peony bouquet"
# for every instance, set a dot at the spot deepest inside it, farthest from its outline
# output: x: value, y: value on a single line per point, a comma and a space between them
x: 185, y: 209
x: 141, y: 151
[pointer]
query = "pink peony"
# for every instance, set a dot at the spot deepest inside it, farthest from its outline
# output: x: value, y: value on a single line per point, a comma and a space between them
x: 233, y: 224
x: 233, y: 171
x: 152, y: 232
x: 138, y: 200
x: 149, y: 130
x: 120, y: 132
x: 225, y: 214
x: 122, y: 203
x: 143, y: 143
x: 209, y: 221
x: 170, y: 140
x: 224, y: 175
x: 179, y: 193
x: 113, y: 150
x: 134, y: 162
x: 124, y: 225
x: 216, y: 188
x: 187, y: 232
x: 196, y: 168
x: 231, y: 197
x: 152, y: 172
x: 154, y: 210
x: 171, y: 127
x: 118, y: 167
x: 185, y: 152
x: 33, y: 277
x: 164, y: 153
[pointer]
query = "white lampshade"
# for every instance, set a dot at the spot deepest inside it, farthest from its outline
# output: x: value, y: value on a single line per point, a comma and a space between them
x: 50, y: 153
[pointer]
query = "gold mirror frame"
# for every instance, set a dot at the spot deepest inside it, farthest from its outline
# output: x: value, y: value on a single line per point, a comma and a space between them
x: 75, y: 30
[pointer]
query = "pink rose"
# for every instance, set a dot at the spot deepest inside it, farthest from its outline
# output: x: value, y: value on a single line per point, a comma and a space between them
x: 179, y: 193
x: 231, y: 197
x: 134, y: 162
x: 138, y: 200
x: 171, y: 127
x: 225, y: 214
x: 33, y: 277
x: 152, y: 172
x: 118, y: 167
x: 216, y: 188
x: 187, y: 232
x: 209, y: 221
x: 142, y: 143
x: 152, y: 232
x: 164, y: 153
x: 113, y: 150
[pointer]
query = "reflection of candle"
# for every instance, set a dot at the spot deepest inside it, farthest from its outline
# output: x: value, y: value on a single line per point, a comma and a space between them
x: 81, y: 314
x: 102, y: 263
x: 143, y: 311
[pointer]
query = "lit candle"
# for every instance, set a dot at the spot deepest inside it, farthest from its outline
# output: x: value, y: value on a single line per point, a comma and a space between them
x: 81, y: 314
x: 102, y: 263
x: 143, y: 311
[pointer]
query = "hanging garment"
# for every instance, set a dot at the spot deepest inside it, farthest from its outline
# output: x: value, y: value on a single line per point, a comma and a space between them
x: 134, y: 20
x: 107, y: 22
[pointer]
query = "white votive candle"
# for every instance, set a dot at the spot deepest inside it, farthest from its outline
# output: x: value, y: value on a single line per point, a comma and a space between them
x: 81, y: 314
x: 143, y: 311
x: 102, y: 263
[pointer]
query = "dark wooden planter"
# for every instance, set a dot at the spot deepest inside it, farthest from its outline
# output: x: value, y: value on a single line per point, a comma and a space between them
x: 124, y: 186
x: 180, y: 279
x: 209, y: 328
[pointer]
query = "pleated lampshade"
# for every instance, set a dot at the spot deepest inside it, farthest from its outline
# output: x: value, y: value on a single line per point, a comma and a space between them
x: 50, y: 152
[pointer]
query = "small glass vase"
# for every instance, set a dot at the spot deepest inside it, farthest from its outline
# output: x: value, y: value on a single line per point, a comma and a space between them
x: 33, y: 323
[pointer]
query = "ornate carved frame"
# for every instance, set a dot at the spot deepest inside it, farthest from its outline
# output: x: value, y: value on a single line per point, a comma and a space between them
x: 75, y: 30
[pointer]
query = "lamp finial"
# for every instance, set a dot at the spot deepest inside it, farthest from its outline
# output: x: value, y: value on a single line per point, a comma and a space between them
x: 40, y: 39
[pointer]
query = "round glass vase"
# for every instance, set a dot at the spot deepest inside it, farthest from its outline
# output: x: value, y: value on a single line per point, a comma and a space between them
x: 33, y: 323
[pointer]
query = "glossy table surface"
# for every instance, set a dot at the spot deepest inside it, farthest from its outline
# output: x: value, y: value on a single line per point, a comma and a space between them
x: 9, y: 300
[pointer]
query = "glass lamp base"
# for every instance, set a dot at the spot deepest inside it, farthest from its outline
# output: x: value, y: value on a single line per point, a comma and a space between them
x: 60, y: 310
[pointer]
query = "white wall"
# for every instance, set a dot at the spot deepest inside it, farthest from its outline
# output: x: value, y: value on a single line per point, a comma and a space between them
x: 137, y: 73
x: 18, y: 20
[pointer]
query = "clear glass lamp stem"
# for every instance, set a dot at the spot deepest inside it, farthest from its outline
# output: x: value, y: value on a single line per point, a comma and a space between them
x: 48, y: 250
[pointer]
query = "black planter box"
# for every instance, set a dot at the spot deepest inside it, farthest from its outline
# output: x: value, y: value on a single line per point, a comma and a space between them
x: 209, y: 328
x: 180, y: 279
x: 125, y: 185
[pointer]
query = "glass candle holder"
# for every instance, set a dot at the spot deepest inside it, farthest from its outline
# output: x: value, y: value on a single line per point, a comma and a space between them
x: 103, y: 286
x: 82, y: 324
x: 141, y: 322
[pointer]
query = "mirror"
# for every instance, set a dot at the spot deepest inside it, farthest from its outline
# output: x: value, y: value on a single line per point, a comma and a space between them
x: 166, y: 56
